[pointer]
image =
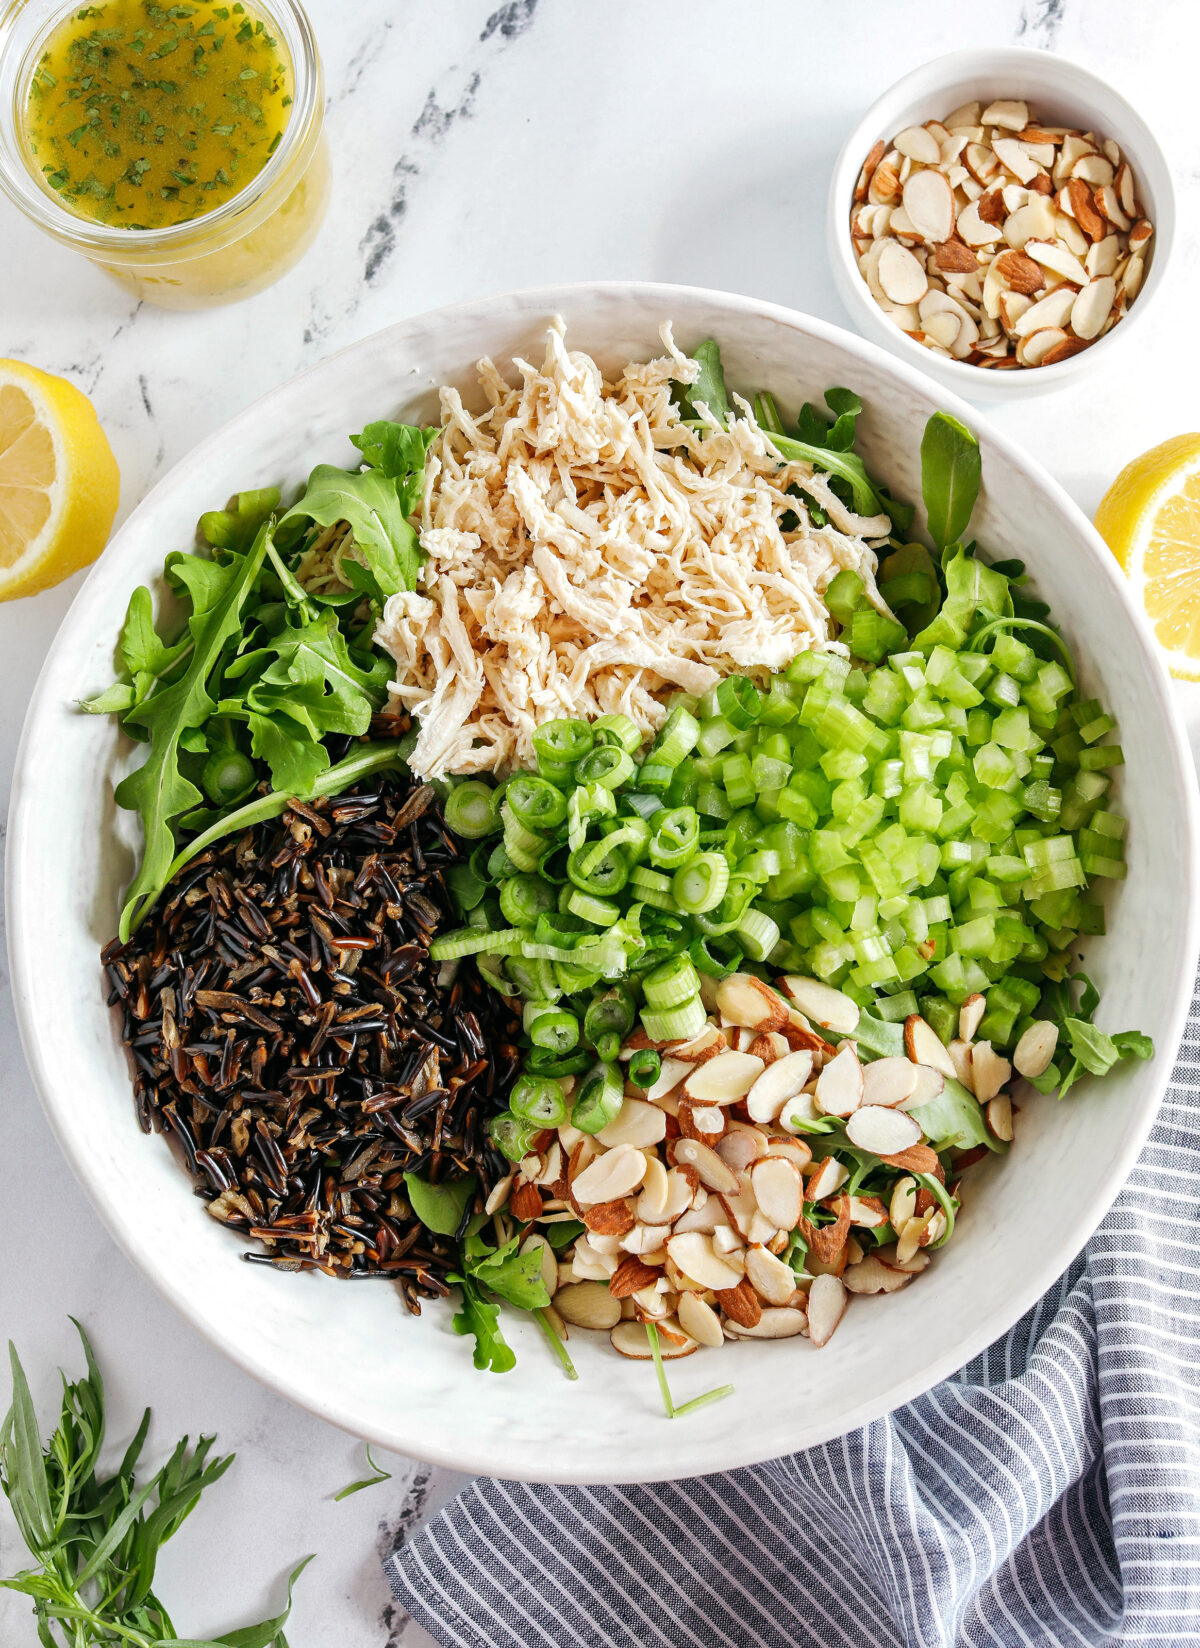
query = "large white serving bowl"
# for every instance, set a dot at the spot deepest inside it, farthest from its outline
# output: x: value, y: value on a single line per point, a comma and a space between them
x: 350, y: 1354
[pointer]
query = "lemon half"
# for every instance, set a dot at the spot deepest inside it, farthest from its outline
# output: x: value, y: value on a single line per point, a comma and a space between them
x: 59, y: 482
x: 1150, y: 519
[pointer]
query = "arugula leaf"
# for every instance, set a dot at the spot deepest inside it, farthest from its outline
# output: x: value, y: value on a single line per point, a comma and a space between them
x: 954, y: 1120
x: 709, y: 388
x: 951, y: 469
x: 158, y: 789
x: 482, y: 1318
x: 379, y: 1475
x: 399, y: 449
x: 440, y: 1207
x: 296, y: 760
x: 1094, y: 1050
x: 515, y: 1276
x: 372, y: 504
x: 1132, y: 1044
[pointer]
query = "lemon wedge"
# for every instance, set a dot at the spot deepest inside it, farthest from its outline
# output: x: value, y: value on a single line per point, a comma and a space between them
x: 1150, y: 519
x: 59, y: 481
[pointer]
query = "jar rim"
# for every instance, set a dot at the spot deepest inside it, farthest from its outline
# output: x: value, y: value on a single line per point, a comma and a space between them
x: 22, y: 187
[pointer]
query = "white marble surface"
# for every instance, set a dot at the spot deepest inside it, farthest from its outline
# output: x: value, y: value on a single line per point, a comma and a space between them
x: 480, y: 149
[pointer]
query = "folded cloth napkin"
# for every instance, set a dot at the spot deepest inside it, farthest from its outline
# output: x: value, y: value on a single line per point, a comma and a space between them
x: 1048, y: 1494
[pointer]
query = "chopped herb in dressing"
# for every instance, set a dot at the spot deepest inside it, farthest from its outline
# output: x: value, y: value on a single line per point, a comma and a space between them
x: 143, y: 115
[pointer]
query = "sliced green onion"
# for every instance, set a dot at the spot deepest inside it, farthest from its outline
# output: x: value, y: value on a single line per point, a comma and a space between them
x: 539, y: 1100
x: 471, y: 809
x: 701, y: 885
x: 600, y: 912
x: 679, y: 1024
x: 555, y: 1030
x: 524, y: 897
x: 608, y: 764
x: 613, y: 1012
x: 671, y: 984
x: 600, y: 868
x: 512, y: 1135
x: 474, y: 941
x: 535, y: 801
x: 617, y: 729
x: 564, y: 742
x: 739, y: 701
x: 675, y: 838
x: 599, y: 1098
x: 677, y: 738
x: 645, y: 1067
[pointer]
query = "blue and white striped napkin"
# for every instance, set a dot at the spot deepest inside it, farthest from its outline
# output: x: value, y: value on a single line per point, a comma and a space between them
x: 1048, y: 1495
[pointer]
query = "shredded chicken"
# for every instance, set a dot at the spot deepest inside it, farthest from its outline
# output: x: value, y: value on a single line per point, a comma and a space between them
x: 588, y: 552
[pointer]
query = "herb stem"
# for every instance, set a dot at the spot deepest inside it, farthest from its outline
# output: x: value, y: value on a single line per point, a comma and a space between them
x: 556, y: 1344
x: 668, y: 1401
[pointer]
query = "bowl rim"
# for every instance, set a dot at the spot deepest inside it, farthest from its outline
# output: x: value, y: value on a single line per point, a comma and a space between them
x: 22, y: 905
x: 922, y: 82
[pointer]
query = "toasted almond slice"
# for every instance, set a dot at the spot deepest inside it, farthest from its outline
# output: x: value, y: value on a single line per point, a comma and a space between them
x: 1052, y: 310
x: 901, y: 277
x: 1093, y: 169
x: 590, y: 1264
x: 1091, y: 307
x: 888, y: 1081
x: 741, y: 1305
x: 697, y: 1259
x: 701, y: 1121
x: 999, y: 1117
x: 631, y: 1339
x: 700, y: 1321
x: 1032, y: 221
x: 616, y: 1173
x: 652, y: 1201
x: 778, y: 1190
x: 1011, y: 113
x: 707, y: 1218
x: 903, y: 1204
x: 741, y: 1146
x: 970, y: 1016
x: 588, y: 1305
x: 828, y: 1178
x: 1131, y: 277
x: 960, y: 1058
x: 929, y: 205
x: 771, y: 1279
x: 884, y: 187
x: 942, y: 327
x: 646, y: 1242
x: 918, y: 144
x: 826, y: 1307
x: 1083, y: 210
x: 924, y: 1046
x: 1032, y: 351
x: 989, y: 1070
x: 909, y: 1239
x: 498, y: 1195
x: 974, y: 230
x: 637, y: 1123
x: 1036, y: 1049
x: 769, y: 1047
x: 1139, y: 235
x: 1125, y: 190
x: 777, y: 1322
x: 967, y: 114
x: 609, y: 1218
x: 952, y: 256
x: 629, y: 1276
x: 1012, y: 306
x: 887, y: 1256
x: 840, y: 1084
x: 829, y: 1008
x: 713, y: 1172
x: 525, y: 1202
x: 981, y: 162
x: 881, y: 1130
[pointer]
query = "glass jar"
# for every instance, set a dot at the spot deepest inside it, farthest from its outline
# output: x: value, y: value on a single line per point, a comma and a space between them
x: 237, y: 249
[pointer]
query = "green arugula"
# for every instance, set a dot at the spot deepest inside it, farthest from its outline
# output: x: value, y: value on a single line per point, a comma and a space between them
x: 378, y: 1475
x: 480, y: 1317
x: 440, y: 1207
x: 95, y: 1539
x: 1092, y: 1051
x: 951, y: 469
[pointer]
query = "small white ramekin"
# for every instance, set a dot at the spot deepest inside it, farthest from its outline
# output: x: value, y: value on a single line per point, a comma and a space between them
x: 1061, y: 94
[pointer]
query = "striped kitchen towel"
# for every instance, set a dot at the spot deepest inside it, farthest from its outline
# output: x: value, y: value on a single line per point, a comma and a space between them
x: 1048, y: 1495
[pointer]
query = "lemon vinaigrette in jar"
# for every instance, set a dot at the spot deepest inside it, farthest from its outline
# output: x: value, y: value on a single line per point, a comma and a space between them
x: 180, y: 147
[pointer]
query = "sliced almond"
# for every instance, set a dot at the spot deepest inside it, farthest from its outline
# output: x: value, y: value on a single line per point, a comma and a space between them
x: 778, y: 1190
x: 1015, y: 158
x: 960, y: 1057
x: 1020, y: 271
x: 706, y: 1045
x: 799, y: 1112
x: 918, y: 144
x: 999, y: 1117
x: 671, y: 1073
x: 772, y: 1279
x: 1032, y: 221
x: 826, y: 1307
x: 868, y: 168
x: 929, y: 205
x: 981, y: 162
x: 909, y: 1239
x: 700, y: 1321
x: 646, y: 1241
x: 588, y: 1305
x: 829, y: 1008
x: 1091, y: 307
x: 1010, y: 113
x: 903, y: 1204
x: 712, y: 1171
x: 930, y: 1083
x: 1036, y: 1048
x: 840, y: 1084
x: 974, y: 229
x: 629, y: 1276
x: 871, y: 1275
x: 769, y: 1047
x: 744, y: 999
x: 942, y: 328
x: 741, y: 1146
x: 967, y: 114
x: 989, y: 1070
x: 1032, y: 351
x: 723, y: 1080
x: 498, y: 1195
x: 888, y: 1081
x: 1093, y: 169
x: 970, y: 1016
x: 610, y: 1218
x: 867, y: 1212
x: 698, y: 1260
x: 827, y: 1178
x: 1058, y: 259
x: 1131, y: 277
x: 953, y: 256
x: 631, y: 1339
x: 741, y: 1305
x: 1139, y: 235
x: 783, y: 1322
x: 1084, y: 211
x: 637, y: 1123
x: 1106, y: 202
x: 780, y: 1081
x: 884, y: 187
x: 706, y: 1218
x: 882, y: 1131
x: 616, y: 1173
x: 1052, y: 310
x: 924, y: 1046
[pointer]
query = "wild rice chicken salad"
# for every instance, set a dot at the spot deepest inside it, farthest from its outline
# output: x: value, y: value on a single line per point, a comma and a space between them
x: 599, y: 860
